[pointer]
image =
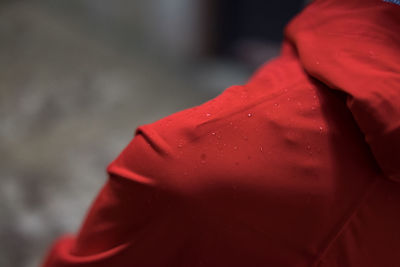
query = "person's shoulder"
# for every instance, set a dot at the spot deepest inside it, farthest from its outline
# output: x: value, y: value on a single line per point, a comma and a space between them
x: 198, y: 148
x: 174, y: 148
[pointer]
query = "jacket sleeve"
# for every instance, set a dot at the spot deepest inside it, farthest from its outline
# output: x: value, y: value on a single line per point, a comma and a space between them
x: 133, y: 221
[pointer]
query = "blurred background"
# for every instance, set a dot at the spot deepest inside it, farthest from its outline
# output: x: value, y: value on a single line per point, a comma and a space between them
x: 77, y: 78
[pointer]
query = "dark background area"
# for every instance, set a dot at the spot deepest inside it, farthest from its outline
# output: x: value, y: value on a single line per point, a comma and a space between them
x: 77, y: 78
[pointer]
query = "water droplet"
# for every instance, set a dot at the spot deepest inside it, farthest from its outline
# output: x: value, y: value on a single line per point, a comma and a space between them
x: 203, y: 158
x: 320, y: 128
x: 315, y: 97
x: 276, y: 105
x: 312, y: 108
x: 180, y: 145
x: 261, y: 148
x: 213, y: 133
x: 235, y: 147
x: 230, y: 123
x: 218, y: 137
x: 288, y: 99
x: 317, y: 62
x: 308, y: 147
x: 208, y: 114
x: 249, y: 115
x: 371, y: 53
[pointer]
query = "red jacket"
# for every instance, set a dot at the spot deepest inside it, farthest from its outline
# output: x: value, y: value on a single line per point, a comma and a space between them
x: 298, y: 167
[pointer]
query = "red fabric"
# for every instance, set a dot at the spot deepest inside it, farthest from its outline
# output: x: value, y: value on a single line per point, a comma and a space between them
x: 299, y: 167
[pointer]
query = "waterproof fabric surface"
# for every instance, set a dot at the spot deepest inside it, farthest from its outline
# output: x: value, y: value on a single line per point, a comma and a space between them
x: 298, y: 167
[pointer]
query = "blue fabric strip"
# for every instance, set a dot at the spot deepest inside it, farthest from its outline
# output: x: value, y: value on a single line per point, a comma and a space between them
x: 397, y: 2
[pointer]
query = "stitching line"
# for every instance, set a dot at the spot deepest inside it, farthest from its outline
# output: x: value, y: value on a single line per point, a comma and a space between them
x: 346, y: 222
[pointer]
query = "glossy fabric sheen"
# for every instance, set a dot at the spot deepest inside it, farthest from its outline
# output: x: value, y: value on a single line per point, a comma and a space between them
x: 298, y: 167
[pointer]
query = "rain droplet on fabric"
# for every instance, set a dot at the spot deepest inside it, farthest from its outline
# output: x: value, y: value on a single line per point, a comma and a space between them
x: 213, y: 133
x: 261, y: 148
x: 276, y: 105
x: 208, y: 114
x: 203, y: 157
x: 308, y: 147
x: 249, y: 115
x: 235, y: 147
x: 371, y: 53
